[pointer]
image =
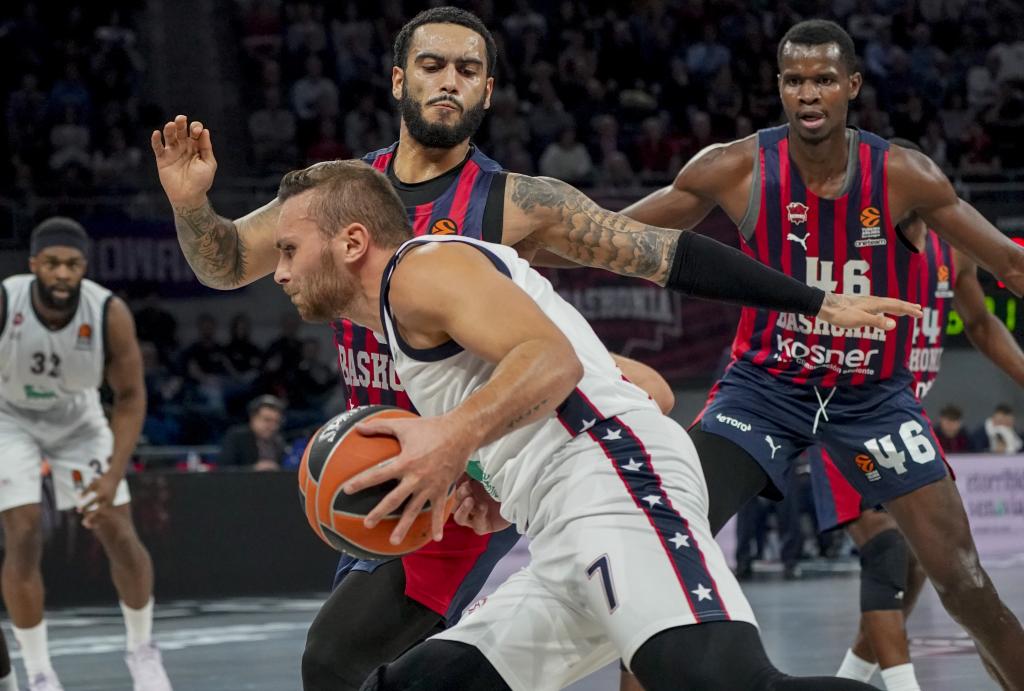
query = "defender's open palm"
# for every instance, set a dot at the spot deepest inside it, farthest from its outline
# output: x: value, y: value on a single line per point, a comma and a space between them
x: 853, y: 311
x: 184, y: 161
x: 430, y: 462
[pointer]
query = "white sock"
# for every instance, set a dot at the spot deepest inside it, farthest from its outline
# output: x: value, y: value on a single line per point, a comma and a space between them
x: 138, y: 625
x: 10, y: 682
x: 900, y: 678
x: 856, y: 668
x: 35, y: 652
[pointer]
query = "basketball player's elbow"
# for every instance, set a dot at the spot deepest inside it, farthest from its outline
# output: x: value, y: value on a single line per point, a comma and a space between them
x: 565, y: 368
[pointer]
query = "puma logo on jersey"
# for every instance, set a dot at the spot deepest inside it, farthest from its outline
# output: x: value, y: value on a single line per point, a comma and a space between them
x: 796, y: 212
x: 801, y: 240
x: 772, y: 445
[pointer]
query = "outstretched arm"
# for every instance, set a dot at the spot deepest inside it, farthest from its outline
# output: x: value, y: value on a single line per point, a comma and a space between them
x: 985, y: 331
x: 547, y: 214
x: 224, y: 254
x: 919, y: 186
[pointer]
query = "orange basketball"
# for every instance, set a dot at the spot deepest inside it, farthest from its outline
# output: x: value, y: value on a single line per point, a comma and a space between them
x: 336, y: 453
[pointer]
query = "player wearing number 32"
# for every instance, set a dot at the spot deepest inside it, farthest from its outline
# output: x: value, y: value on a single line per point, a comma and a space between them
x: 609, y: 490
x: 60, y: 336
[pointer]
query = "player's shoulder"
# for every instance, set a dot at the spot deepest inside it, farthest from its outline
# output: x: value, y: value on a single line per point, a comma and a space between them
x: 910, y: 165
x: 720, y: 164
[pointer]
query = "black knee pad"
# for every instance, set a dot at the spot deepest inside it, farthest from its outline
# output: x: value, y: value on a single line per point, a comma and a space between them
x: 883, y: 572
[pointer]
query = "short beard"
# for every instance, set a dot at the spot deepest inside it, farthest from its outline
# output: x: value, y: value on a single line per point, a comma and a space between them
x: 50, y: 302
x: 436, y: 135
x: 328, y: 293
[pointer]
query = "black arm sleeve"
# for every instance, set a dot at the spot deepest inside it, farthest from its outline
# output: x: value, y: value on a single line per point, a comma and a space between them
x: 706, y: 268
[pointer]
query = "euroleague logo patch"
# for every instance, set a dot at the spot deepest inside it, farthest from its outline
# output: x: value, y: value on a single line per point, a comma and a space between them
x: 870, y: 233
x: 84, y: 337
x: 869, y: 217
x: 444, y: 226
x: 867, y: 466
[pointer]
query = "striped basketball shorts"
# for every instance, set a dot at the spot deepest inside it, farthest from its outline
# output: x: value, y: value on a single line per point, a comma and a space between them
x: 620, y: 551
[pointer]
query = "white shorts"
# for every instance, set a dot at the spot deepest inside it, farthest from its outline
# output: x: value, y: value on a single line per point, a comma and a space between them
x: 75, y: 440
x: 624, y: 552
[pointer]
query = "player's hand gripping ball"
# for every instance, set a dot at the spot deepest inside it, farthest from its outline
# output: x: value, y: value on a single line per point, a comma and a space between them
x: 336, y: 454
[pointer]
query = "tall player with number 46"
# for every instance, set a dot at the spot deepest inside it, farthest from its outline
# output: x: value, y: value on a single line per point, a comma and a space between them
x: 822, y: 202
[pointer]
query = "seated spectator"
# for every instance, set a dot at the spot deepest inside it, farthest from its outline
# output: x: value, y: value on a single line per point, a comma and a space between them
x: 69, y: 140
x: 998, y: 434
x: 256, y: 444
x: 117, y: 167
x: 368, y: 127
x: 567, y: 159
x: 950, y: 431
x: 206, y: 365
x: 272, y: 133
x: 163, y: 399
x: 314, y: 95
x: 326, y: 146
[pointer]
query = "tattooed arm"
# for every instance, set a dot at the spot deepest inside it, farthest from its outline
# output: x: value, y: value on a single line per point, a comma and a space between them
x: 542, y: 213
x: 224, y: 254
x: 547, y: 214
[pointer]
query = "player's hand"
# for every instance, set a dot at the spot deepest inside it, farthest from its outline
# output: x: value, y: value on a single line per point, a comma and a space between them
x: 431, y: 460
x: 853, y: 311
x: 477, y: 509
x: 184, y: 161
x: 97, y: 497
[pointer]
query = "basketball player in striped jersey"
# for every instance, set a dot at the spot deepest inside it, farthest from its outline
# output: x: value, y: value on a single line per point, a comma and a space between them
x: 61, y: 337
x: 609, y: 490
x: 822, y: 203
x: 890, y: 578
x: 442, y: 79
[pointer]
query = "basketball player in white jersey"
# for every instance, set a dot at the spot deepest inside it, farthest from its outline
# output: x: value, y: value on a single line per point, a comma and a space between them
x: 609, y: 490
x: 61, y: 335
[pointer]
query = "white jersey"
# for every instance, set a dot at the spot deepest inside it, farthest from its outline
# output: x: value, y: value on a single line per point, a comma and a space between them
x: 41, y: 368
x: 439, y: 379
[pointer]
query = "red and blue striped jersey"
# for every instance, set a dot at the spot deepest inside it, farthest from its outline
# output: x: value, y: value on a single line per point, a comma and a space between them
x: 936, y: 298
x: 845, y: 245
x: 457, y: 208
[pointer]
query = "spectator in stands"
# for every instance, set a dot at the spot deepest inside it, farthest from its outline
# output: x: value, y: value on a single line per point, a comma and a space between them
x: 950, y: 431
x: 281, y: 355
x: 705, y: 58
x: 305, y: 33
x: 117, y: 166
x: 998, y: 434
x: 326, y: 146
x: 206, y: 365
x: 368, y: 127
x: 26, y: 114
x: 505, y: 122
x: 982, y: 83
x: 70, y: 92
x: 567, y: 159
x: 69, y: 140
x: 272, y: 134
x: 548, y: 118
x: 154, y: 323
x: 314, y: 96
x: 163, y: 399
x: 256, y: 444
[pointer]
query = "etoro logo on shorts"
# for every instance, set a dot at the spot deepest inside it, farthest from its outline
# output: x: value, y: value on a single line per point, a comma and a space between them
x: 733, y: 422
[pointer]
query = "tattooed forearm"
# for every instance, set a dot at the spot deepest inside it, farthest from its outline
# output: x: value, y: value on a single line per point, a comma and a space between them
x: 211, y: 245
x: 569, y: 224
x: 525, y: 415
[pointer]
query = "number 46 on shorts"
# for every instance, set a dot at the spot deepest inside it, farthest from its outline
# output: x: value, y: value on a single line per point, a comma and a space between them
x: 916, y: 443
